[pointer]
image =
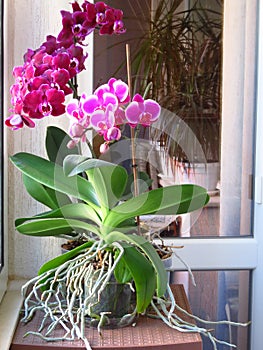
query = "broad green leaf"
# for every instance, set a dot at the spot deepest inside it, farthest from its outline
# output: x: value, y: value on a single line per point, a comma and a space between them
x: 143, y: 275
x: 61, y: 259
x: 149, y: 251
x: 170, y: 200
x: 55, y: 227
x: 56, y: 145
x: 127, y: 225
x: 121, y: 272
x: 79, y: 211
x: 76, y: 164
x: 45, y: 195
x: 109, y: 183
x: 144, y: 182
x: 52, y: 175
x: 108, y: 179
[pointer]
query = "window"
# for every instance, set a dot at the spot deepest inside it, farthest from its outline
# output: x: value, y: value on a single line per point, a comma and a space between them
x: 231, y: 257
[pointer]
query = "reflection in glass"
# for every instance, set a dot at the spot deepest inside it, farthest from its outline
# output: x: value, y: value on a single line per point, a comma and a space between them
x: 212, y: 124
x: 219, y: 295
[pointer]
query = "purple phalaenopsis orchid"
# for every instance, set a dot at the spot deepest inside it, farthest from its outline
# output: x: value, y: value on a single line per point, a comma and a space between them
x: 141, y: 111
x: 82, y: 21
x: 46, y: 76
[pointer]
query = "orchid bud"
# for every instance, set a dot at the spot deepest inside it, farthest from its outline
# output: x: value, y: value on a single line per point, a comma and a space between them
x: 71, y: 144
x: 113, y: 134
x: 104, y: 147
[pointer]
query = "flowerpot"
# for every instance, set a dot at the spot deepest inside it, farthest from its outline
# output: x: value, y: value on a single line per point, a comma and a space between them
x: 113, y: 307
x: 206, y: 175
x: 203, y: 174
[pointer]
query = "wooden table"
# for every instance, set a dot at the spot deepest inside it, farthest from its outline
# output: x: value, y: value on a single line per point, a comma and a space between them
x: 148, y: 334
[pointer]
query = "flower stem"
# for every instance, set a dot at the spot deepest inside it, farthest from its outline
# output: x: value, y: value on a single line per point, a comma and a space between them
x: 133, y: 153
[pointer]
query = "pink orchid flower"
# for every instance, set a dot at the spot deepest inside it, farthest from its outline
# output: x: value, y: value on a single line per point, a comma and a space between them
x: 141, y: 111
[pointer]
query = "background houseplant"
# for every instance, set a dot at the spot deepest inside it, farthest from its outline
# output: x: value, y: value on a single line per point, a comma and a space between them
x: 180, y: 55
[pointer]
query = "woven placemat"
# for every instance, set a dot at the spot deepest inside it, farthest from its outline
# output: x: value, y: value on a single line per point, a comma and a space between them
x: 148, y: 333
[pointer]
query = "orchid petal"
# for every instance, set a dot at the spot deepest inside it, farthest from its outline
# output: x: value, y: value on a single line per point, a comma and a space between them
x: 133, y: 113
x: 72, y: 107
x: 121, y: 89
x: 90, y: 104
x: 138, y: 98
x: 55, y: 96
x: 113, y: 134
x: 97, y: 118
x: 102, y: 89
x: 153, y: 108
x: 109, y: 98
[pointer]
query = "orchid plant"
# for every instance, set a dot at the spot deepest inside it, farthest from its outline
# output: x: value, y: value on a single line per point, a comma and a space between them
x: 87, y: 195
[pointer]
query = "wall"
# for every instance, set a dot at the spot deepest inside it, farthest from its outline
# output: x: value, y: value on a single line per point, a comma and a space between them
x: 28, y: 23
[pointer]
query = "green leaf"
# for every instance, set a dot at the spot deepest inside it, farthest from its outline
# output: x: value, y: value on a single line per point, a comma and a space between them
x: 109, y: 183
x: 108, y: 179
x: 143, y: 275
x: 76, y: 164
x: 79, y: 211
x: 121, y: 272
x: 56, y: 145
x: 144, y: 182
x: 52, y: 176
x: 149, y: 251
x: 55, y: 227
x: 44, y: 194
x: 61, y: 259
x: 170, y: 200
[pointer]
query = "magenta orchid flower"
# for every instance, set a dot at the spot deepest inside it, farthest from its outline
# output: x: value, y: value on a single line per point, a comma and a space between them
x: 44, y: 80
x: 48, y: 73
x: 141, y: 111
x: 83, y: 20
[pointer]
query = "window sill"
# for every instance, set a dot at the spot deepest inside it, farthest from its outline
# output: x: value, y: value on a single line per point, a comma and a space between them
x: 9, y: 312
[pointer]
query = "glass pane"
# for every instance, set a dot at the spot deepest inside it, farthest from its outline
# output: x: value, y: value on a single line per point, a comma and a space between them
x: 219, y: 295
x: 205, y: 132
